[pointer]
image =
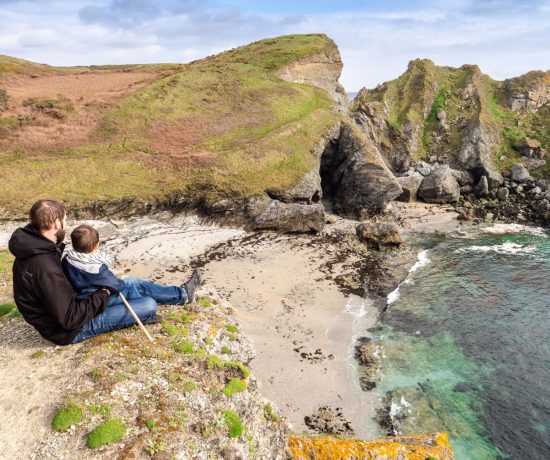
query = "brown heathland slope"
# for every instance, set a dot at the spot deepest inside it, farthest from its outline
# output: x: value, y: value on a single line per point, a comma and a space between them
x: 223, y: 127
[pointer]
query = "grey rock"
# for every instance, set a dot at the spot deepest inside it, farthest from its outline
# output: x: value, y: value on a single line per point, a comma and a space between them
x: 476, y: 152
x: 307, y: 190
x: 269, y: 214
x: 440, y: 187
x: 232, y: 453
x: 379, y: 235
x: 466, y: 189
x: 543, y: 184
x: 410, y: 186
x: 502, y: 194
x: 519, y: 173
x: 359, y: 179
x: 463, y: 177
x: 424, y: 168
x: 482, y: 187
x: 530, y: 94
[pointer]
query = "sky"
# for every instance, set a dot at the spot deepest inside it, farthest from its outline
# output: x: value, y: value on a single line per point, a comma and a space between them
x: 376, y: 38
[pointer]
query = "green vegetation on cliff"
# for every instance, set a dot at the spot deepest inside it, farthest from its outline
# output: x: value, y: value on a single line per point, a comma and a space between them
x: 222, y: 127
x: 432, y: 110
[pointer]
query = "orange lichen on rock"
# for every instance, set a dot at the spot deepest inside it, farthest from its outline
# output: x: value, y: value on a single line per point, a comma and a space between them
x: 415, y: 447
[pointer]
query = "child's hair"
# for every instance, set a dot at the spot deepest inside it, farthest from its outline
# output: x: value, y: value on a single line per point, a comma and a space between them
x: 85, y: 238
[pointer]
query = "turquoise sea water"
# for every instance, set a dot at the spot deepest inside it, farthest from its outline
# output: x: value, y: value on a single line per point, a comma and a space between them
x: 466, y: 346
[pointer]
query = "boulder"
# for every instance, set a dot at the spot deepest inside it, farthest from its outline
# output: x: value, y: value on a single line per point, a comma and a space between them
x: 268, y: 214
x: 379, y: 235
x: 519, y: 173
x: 410, y: 186
x: 482, y: 187
x: 463, y: 177
x: 440, y: 187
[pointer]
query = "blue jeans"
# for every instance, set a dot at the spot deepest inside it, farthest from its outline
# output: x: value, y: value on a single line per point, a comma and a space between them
x: 143, y: 296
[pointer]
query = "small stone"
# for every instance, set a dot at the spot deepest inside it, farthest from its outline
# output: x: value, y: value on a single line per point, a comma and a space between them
x: 519, y: 173
x: 502, y: 194
x: 232, y: 453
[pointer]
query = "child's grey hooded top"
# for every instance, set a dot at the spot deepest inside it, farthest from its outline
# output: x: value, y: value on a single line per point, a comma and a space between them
x: 90, y: 272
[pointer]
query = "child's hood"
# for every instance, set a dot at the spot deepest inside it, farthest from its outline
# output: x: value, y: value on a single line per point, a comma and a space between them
x: 90, y: 263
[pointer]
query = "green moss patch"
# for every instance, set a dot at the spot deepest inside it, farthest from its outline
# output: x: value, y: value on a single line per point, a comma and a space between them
x: 106, y: 433
x: 69, y: 415
x: 239, y: 366
x: 170, y: 329
x: 182, y: 346
x: 234, y: 386
x: 38, y: 354
x: 204, y: 302
x: 214, y: 361
x: 234, y: 423
x: 6, y: 308
x: 232, y: 328
x: 268, y: 409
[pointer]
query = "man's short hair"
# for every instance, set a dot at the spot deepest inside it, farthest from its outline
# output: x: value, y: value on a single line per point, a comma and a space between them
x: 84, y: 238
x: 44, y: 213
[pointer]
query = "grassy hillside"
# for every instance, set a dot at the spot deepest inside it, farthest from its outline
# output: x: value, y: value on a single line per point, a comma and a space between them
x: 224, y: 126
x: 465, y: 95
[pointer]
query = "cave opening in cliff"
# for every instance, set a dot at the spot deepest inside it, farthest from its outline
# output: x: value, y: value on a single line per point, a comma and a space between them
x: 327, y: 170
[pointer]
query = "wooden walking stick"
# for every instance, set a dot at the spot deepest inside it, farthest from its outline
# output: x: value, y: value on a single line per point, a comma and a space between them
x: 138, y: 321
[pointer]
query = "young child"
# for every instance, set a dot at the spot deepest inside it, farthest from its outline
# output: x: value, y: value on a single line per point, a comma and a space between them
x: 88, y: 269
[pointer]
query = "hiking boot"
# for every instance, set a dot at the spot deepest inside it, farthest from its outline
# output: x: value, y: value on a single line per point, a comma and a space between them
x: 192, y: 284
x: 155, y: 319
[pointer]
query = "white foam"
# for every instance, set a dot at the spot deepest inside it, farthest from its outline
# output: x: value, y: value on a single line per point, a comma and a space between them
x: 422, y: 261
x: 398, y: 408
x: 504, y: 248
x: 505, y: 229
x: 393, y: 295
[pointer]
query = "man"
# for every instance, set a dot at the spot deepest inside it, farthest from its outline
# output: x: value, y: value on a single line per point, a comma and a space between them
x: 47, y: 300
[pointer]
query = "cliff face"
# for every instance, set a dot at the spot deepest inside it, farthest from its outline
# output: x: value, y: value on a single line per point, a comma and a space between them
x: 458, y: 117
x: 322, y: 70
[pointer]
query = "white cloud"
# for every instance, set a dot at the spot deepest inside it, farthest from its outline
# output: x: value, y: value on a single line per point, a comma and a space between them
x: 504, y: 37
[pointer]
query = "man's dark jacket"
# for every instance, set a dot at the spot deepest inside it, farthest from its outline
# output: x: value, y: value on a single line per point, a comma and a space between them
x: 43, y: 294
